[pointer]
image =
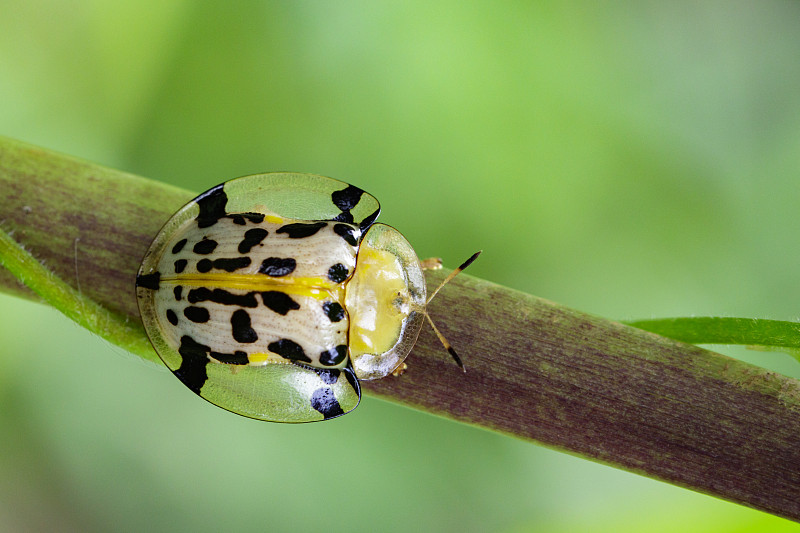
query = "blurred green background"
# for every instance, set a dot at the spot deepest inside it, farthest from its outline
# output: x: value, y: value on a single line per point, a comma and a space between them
x: 632, y: 160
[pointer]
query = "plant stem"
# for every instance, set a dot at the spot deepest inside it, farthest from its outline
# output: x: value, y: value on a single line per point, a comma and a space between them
x: 126, y: 333
x: 536, y: 370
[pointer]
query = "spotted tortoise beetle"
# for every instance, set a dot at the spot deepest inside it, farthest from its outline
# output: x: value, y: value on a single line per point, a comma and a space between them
x: 272, y: 295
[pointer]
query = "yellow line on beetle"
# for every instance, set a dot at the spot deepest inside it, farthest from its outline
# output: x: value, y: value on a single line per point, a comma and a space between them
x: 318, y: 288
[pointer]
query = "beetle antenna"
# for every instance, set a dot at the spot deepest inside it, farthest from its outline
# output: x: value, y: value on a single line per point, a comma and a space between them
x: 453, y: 274
x: 445, y: 343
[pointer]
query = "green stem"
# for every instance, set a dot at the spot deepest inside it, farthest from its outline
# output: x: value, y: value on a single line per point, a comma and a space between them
x: 97, y: 319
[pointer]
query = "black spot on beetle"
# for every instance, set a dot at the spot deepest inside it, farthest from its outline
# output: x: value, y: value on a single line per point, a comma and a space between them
x: 149, y: 281
x: 338, y: 273
x: 221, y: 296
x: 241, y: 328
x: 324, y: 401
x: 172, y: 317
x: 180, y: 265
x: 199, y: 315
x: 346, y: 232
x: 212, y: 206
x: 240, y: 219
x: 205, y: 246
x: 178, y: 292
x: 178, y: 246
x: 330, y: 377
x: 289, y: 349
x: 280, y: 302
x: 301, y: 230
x: 234, y: 263
x: 347, y: 198
x: 277, y: 266
x: 334, y: 356
x: 251, y: 238
x: 327, y: 375
x: 236, y: 358
x: 256, y: 218
x: 192, y: 371
x: 227, y: 264
x: 344, y: 216
x: 334, y: 310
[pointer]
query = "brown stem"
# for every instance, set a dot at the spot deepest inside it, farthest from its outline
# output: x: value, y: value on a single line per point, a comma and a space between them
x: 535, y: 370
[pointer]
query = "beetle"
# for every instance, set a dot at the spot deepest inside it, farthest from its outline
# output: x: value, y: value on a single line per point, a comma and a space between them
x: 272, y: 295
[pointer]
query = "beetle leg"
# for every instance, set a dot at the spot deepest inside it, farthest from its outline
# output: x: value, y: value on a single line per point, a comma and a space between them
x: 431, y: 263
x: 397, y: 372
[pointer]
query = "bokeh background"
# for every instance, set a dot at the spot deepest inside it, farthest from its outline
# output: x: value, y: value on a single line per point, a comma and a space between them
x: 631, y: 159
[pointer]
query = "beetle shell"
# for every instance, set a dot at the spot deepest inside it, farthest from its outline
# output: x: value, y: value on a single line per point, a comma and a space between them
x: 272, y: 295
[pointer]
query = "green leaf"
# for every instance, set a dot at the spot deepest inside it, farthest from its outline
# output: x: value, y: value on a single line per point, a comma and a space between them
x: 756, y: 333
